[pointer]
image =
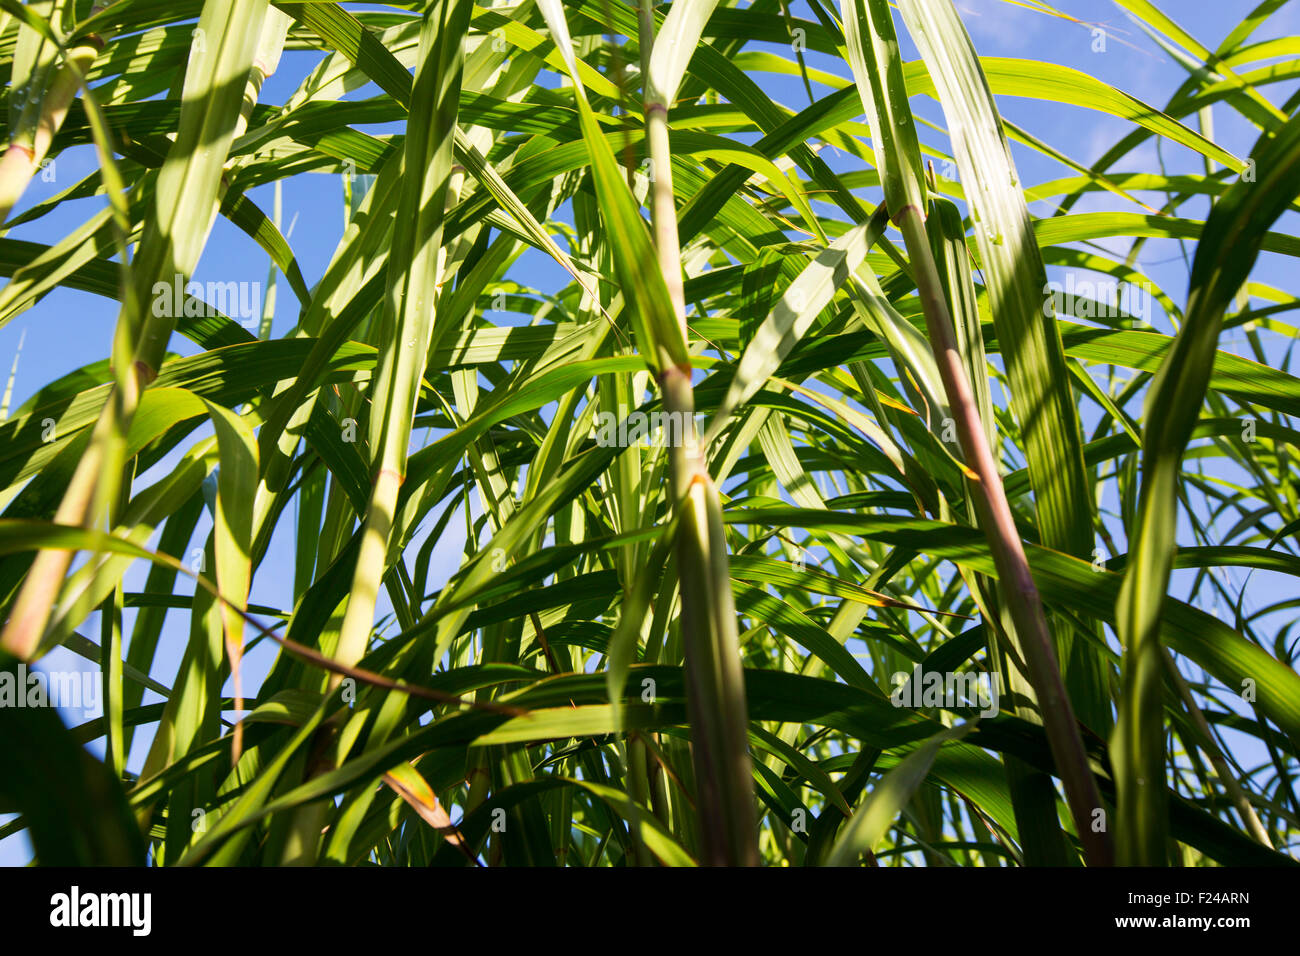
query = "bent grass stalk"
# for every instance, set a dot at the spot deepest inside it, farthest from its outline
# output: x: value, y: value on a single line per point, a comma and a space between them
x: 1015, y: 579
x: 216, y: 111
x: 877, y: 67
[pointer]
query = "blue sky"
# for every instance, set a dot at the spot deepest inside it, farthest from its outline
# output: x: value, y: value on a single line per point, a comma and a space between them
x: 69, y: 329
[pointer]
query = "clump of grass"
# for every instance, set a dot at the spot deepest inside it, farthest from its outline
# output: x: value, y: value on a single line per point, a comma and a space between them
x: 641, y: 653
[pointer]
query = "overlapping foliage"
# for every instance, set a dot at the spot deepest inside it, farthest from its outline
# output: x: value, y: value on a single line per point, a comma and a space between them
x: 567, y: 692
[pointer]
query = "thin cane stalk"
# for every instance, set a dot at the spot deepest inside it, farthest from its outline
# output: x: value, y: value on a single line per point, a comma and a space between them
x: 715, y: 679
x: 999, y: 526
